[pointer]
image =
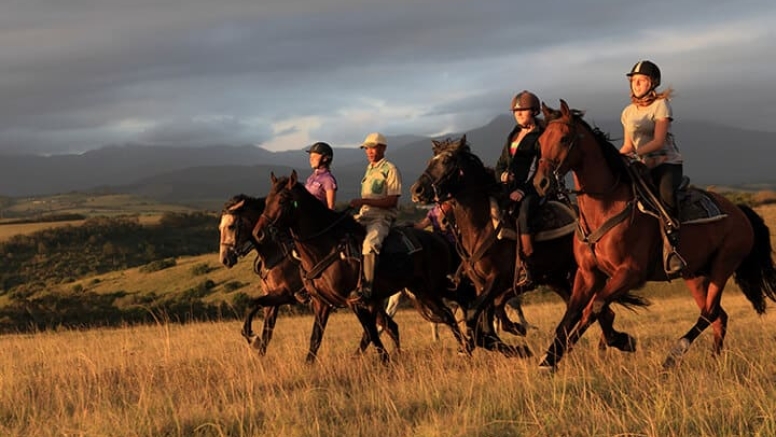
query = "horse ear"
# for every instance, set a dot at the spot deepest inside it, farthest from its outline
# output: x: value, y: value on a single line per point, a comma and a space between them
x: 292, y: 179
x: 546, y: 111
x: 237, y: 205
x: 462, y: 140
x: 564, y: 108
x: 436, y: 147
x: 272, y: 177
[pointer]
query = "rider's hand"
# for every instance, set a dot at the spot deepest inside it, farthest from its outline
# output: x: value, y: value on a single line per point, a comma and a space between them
x: 516, y: 195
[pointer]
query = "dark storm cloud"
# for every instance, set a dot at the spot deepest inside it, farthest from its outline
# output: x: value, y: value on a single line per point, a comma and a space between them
x: 76, y: 75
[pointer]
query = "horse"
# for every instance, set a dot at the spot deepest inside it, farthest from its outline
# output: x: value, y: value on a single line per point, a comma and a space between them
x: 512, y: 309
x: 619, y: 245
x: 279, y: 272
x: 457, y: 173
x: 329, y: 246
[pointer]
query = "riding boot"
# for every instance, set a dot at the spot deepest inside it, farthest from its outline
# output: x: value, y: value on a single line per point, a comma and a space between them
x: 673, y: 263
x: 364, y: 292
x: 525, y: 262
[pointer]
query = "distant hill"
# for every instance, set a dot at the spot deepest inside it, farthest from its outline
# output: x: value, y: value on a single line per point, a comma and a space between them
x: 207, y: 176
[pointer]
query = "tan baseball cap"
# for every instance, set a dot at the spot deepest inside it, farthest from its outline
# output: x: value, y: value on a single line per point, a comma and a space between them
x: 373, y: 140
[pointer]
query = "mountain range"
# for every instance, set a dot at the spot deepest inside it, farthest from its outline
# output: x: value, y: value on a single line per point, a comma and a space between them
x: 208, y: 176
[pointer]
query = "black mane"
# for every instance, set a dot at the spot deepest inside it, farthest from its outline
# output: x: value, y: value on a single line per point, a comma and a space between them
x: 258, y: 202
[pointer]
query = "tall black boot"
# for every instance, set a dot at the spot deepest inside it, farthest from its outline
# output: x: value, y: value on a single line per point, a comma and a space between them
x: 364, y: 293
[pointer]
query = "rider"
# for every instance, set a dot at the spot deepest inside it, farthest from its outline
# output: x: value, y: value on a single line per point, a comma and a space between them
x: 321, y: 182
x: 515, y: 170
x: 437, y: 219
x: 380, y: 191
x: 647, y: 136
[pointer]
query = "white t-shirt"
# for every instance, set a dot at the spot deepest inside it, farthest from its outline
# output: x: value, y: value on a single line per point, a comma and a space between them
x: 639, y: 122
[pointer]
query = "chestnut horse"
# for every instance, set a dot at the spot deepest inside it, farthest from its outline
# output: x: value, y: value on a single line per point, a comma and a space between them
x: 329, y: 246
x: 619, y: 248
x: 455, y: 172
x: 279, y: 271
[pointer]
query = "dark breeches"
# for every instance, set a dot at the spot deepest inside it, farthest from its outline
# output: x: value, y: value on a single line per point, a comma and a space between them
x: 667, y: 178
x: 528, y: 207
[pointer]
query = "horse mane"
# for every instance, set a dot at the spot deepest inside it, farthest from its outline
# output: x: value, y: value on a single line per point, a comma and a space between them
x: 611, y: 154
x: 320, y: 211
x: 258, y: 202
x: 488, y: 173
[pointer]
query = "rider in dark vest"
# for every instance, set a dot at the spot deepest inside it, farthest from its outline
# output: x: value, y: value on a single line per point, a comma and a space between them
x: 515, y: 170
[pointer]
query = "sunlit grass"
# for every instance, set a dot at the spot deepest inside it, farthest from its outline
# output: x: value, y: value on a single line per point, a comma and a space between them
x: 203, y: 379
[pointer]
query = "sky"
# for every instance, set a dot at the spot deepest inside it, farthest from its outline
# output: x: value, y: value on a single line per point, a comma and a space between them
x: 77, y: 75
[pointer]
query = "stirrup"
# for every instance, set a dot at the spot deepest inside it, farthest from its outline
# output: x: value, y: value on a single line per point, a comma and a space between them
x: 524, y: 279
x: 673, y: 264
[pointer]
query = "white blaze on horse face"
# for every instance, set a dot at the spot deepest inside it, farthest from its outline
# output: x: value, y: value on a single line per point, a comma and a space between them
x: 226, y: 227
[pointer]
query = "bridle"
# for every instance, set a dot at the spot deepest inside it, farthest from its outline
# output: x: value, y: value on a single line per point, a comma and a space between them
x: 558, y: 170
x: 435, y: 183
x: 249, y: 243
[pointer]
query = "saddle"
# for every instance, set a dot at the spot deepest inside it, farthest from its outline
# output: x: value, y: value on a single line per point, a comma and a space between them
x: 694, y: 205
x: 401, y: 240
x: 553, y: 219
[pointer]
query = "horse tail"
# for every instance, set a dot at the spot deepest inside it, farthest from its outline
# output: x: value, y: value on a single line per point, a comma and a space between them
x: 756, y: 276
x: 632, y: 301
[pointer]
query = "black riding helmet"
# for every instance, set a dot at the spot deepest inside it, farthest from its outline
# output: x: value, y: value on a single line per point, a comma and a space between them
x: 647, y: 68
x: 324, y: 149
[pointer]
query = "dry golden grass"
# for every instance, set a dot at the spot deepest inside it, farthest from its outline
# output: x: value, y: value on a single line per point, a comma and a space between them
x: 9, y: 230
x: 203, y: 380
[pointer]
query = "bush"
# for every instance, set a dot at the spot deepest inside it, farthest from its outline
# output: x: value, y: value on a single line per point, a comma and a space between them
x: 157, y: 265
x: 201, y: 269
x: 233, y: 285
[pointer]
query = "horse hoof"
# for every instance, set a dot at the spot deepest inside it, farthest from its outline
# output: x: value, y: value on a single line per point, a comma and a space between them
x: 546, y: 368
x: 546, y: 365
x: 625, y: 343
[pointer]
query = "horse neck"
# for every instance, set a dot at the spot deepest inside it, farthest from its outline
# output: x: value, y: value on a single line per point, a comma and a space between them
x: 472, y: 217
x: 596, y: 180
x: 317, y: 232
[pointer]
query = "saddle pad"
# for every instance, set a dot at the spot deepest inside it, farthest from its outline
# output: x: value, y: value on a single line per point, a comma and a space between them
x: 696, y: 206
x: 401, y: 240
x: 553, y: 220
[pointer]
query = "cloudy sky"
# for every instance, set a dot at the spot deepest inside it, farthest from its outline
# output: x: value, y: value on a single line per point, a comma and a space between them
x: 80, y: 74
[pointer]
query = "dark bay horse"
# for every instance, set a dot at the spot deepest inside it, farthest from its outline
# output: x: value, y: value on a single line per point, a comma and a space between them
x: 619, y: 248
x: 455, y: 172
x: 329, y: 245
x: 278, y: 270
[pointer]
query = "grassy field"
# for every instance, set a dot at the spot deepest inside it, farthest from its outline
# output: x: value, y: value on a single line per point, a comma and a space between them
x: 88, y: 205
x: 204, y: 380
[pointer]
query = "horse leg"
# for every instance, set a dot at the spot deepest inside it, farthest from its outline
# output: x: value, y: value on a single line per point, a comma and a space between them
x: 267, y: 328
x: 385, y: 323
x: 322, y: 312
x: 585, y: 285
x: 267, y: 302
x: 499, y: 306
x: 610, y: 337
x: 433, y: 309
x: 708, y: 295
x: 368, y: 319
x: 699, y: 288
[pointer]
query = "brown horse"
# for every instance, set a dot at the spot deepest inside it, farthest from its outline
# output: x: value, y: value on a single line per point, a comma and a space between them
x: 329, y: 245
x: 455, y: 172
x: 279, y: 271
x: 619, y: 247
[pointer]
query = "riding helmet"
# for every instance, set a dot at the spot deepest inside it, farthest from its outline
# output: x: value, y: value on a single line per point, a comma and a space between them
x: 525, y: 100
x: 647, y: 68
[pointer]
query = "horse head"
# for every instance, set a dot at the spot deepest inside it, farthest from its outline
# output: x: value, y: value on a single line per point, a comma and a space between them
x: 280, y: 207
x: 237, y: 218
x: 442, y: 173
x: 557, y: 144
